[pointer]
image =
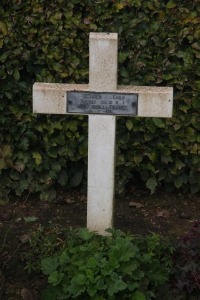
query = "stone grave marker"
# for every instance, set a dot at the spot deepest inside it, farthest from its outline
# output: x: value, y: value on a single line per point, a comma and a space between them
x: 102, y: 100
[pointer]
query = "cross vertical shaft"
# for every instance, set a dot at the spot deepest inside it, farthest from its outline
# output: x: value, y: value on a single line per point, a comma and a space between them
x: 101, y: 146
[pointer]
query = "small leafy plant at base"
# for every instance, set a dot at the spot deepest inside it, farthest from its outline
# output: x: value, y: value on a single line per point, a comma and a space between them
x: 117, y: 266
x: 185, y: 278
x: 43, y: 242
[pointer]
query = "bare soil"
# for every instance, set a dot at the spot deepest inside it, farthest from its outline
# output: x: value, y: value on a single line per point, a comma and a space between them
x: 137, y: 212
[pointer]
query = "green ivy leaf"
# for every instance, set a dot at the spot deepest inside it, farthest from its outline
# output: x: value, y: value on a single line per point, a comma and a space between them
x: 178, y: 181
x: 15, y: 175
x: 48, y: 195
x: 56, y: 167
x: 123, y: 56
x: 151, y: 184
x: 138, y: 296
x: 2, y: 164
x: 9, y: 95
x: 129, y: 125
x: 16, y: 74
x: 159, y: 122
x: 38, y: 158
x: 76, y: 178
x: 195, y: 189
x: 124, y: 72
x: 3, y: 28
x: 6, y: 151
x: 24, y: 184
x: 52, y: 195
x: 63, y: 178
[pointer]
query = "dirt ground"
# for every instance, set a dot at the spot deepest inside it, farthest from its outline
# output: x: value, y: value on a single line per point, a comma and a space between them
x: 136, y: 212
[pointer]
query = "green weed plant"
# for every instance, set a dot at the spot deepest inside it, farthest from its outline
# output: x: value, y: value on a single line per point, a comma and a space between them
x: 79, y: 264
x: 97, y: 267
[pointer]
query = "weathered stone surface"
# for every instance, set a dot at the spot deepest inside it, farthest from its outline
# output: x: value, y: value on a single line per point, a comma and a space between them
x: 152, y: 101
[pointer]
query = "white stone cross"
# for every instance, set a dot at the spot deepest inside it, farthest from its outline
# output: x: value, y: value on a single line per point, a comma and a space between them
x: 102, y: 100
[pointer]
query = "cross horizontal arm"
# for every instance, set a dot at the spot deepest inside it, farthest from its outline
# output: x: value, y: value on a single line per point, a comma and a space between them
x: 51, y: 98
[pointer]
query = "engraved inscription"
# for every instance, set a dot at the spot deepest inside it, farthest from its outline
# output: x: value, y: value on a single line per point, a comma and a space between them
x: 102, y: 103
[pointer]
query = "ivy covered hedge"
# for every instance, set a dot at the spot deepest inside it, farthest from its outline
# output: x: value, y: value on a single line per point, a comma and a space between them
x: 159, y: 44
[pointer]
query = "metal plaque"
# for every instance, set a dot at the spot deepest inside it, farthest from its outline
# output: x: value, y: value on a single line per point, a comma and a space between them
x: 102, y: 103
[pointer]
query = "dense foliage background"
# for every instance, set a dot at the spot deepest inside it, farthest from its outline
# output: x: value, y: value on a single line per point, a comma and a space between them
x: 40, y: 40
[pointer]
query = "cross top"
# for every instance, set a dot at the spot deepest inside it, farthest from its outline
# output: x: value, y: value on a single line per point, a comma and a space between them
x: 102, y: 100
